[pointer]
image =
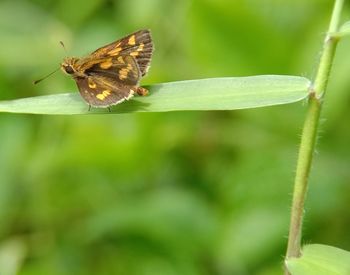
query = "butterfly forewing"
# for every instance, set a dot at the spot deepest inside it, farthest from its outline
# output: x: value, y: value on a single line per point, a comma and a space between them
x: 138, y: 45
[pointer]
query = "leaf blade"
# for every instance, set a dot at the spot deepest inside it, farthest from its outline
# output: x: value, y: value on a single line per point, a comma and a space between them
x: 344, y: 30
x: 321, y: 260
x: 228, y: 93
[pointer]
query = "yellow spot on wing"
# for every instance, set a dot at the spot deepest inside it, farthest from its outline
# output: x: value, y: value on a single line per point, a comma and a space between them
x: 139, y: 49
x: 132, y: 41
x: 123, y: 73
x: 91, y: 84
x: 115, y: 51
x: 103, y: 95
x: 106, y: 92
x: 121, y: 60
x: 106, y: 64
x: 100, y: 96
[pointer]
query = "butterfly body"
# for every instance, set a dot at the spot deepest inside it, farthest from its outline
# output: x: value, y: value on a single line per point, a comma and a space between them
x: 111, y: 74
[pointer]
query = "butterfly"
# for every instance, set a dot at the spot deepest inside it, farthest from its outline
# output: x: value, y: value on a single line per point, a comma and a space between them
x: 111, y: 74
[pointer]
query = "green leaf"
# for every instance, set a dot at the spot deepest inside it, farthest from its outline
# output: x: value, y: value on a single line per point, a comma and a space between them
x: 206, y: 94
x: 320, y: 259
x: 344, y: 29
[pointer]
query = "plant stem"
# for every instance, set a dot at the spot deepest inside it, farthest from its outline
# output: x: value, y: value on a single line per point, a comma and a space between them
x: 309, y: 133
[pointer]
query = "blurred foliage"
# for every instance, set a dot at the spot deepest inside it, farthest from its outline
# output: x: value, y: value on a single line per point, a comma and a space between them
x: 172, y: 193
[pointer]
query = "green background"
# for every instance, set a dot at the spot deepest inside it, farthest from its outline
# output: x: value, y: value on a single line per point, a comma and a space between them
x: 167, y: 193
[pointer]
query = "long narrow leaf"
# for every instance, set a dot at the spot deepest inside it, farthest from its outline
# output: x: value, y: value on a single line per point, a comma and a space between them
x: 205, y: 94
x: 344, y: 29
x: 320, y: 259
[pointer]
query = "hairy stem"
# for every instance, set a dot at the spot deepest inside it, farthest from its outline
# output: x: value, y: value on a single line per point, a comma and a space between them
x: 309, y: 133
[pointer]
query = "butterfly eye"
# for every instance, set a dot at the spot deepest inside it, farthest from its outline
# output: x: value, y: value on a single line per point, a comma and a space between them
x: 68, y: 69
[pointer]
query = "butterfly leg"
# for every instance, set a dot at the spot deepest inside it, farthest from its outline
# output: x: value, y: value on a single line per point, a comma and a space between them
x: 109, y: 109
x: 89, y: 108
x: 142, y: 91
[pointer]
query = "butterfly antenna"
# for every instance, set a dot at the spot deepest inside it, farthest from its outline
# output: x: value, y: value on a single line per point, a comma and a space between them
x: 63, y: 46
x: 41, y: 79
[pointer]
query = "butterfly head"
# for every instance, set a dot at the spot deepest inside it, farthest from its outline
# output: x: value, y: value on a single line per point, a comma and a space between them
x: 68, y: 65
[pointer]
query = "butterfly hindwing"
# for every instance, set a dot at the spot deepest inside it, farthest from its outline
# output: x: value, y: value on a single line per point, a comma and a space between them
x: 103, y: 91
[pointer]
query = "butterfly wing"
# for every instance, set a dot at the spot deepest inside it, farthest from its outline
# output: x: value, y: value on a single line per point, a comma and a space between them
x: 110, y: 82
x: 121, y: 68
x: 138, y: 45
x: 103, y: 91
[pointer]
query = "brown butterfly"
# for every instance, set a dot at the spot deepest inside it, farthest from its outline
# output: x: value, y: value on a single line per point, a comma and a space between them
x: 112, y: 73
